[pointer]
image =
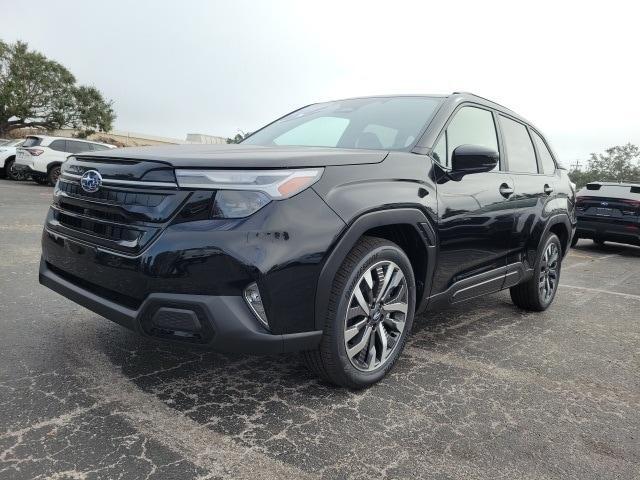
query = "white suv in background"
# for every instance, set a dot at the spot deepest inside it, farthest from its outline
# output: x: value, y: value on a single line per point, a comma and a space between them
x: 41, y: 155
x: 8, y: 156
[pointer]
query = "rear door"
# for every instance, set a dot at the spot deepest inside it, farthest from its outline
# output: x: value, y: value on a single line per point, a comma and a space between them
x: 534, y: 191
x: 58, y: 151
x: 474, y: 216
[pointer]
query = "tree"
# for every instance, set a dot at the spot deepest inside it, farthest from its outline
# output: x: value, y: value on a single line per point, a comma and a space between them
x: 239, y: 137
x: 618, y: 164
x: 38, y: 92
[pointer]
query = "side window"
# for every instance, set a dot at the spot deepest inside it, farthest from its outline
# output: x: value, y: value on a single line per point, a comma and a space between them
x: 75, y: 146
x: 97, y: 148
x: 548, y: 165
x: 520, y: 152
x: 440, y: 151
x: 58, y: 145
x: 470, y: 126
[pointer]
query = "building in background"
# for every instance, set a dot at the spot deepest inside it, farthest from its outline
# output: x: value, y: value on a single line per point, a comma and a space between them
x: 125, y: 139
x: 208, y: 139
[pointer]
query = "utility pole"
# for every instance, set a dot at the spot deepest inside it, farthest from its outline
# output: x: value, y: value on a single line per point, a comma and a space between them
x: 576, y: 166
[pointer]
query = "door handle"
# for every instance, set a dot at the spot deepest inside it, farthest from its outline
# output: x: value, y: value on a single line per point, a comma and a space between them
x: 506, y: 190
x: 547, y: 189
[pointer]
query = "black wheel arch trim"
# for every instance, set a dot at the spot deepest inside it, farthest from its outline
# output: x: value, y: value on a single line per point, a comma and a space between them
x: 562, y: 218
x: 350, y: 236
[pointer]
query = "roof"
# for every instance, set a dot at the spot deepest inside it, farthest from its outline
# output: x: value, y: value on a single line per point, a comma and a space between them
x: 614, y: 184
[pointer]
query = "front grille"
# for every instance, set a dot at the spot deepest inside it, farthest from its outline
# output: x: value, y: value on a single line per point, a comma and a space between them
x: 119, y: 197
x: 124, y: 217
x: 105, y: 230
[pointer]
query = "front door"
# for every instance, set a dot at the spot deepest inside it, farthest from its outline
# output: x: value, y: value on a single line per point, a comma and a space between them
x: 475, y: 219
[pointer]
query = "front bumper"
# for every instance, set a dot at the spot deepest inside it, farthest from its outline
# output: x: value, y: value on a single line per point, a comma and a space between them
x: 220, y: 323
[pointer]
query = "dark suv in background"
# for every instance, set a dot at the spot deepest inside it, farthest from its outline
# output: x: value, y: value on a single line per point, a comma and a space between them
x: 325, y: 232
x: 608, y: 211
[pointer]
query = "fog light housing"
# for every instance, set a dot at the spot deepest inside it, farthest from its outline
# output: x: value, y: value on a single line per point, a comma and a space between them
x: 254, y: 300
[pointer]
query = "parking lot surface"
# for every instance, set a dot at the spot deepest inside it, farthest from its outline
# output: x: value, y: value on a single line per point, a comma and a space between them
x: 482, y: 391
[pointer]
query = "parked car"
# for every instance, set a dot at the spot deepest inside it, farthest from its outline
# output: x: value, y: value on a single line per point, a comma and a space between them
x: 324, y: 232
x: 8, y: 156
x: 608, y: 211
x: 41, y: 156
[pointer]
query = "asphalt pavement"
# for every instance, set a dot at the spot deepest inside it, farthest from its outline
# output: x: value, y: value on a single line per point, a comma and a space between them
x: 482, y: 391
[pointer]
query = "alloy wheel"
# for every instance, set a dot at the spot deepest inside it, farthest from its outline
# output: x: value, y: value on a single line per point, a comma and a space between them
x: 376, y: 316
x: 549, y: 272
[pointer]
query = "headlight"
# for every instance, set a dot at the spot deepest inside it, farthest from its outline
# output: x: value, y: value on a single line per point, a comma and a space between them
x: 277, y: 184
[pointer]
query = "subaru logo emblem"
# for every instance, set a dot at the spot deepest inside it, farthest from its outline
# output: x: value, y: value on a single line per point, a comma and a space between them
x: 91, y: 181
x: 604, y: 204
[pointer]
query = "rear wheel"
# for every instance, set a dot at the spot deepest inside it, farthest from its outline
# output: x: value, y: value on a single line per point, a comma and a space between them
x: 598, y: 242
x: 538, y: 292
x: 370, y: 314
x: 52, y: 176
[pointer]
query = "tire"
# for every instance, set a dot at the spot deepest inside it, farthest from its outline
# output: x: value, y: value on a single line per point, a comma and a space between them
x: 598, y: 242
x: 533, y: 294
x: 574, y: 240
x: 41, y: 180
x: 52, y: 176
x: 8, y: 170
x: 335, y: 360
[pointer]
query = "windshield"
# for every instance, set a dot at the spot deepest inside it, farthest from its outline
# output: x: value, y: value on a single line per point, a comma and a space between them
x: 384, y: 123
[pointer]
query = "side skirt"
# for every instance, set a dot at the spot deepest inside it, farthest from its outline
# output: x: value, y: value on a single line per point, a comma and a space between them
x: 479, y: 285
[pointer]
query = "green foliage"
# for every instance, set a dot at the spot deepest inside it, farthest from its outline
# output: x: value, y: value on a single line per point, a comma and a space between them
x: 38, y: 92
x: 239, y: 137
x: 618, y: 164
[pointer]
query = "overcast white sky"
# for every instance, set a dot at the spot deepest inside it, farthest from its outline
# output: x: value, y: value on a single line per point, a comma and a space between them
x: 174, y: 67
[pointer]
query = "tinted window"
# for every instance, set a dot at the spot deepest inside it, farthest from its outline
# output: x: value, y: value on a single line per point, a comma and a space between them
x: 548, y: 165
x: 96, y: 148
x: 520, y: 152
x: 58, y: 145
x: 470, y: 126
x: 32, y: 142
x: 390, y: 123
x: 74, y: 146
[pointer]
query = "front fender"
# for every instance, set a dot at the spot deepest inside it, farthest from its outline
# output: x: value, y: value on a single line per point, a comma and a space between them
x: 350, y: 236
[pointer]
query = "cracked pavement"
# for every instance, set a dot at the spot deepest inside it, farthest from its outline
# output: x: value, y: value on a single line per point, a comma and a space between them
x: 483, y: 390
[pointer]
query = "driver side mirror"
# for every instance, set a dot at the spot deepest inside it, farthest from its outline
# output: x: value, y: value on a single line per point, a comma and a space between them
x: 473, y: 159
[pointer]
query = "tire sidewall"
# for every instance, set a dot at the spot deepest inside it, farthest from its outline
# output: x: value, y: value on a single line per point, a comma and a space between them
x: 551, y: 238
x: 386, y: 252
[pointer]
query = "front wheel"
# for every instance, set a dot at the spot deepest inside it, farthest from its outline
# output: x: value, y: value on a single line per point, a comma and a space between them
x: 10, y: 171
x: 370, y: 314
x: 538, y: 292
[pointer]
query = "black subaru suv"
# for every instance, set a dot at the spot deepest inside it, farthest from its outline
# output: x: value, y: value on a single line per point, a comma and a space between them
x: 608, y: 211
x: 324, y: 232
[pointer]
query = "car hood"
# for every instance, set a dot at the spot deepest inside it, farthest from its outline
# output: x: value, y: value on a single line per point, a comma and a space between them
x: 242, y: 156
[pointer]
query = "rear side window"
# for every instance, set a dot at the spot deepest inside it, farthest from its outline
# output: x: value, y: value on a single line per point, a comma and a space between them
x: 470, y: 126
x: 58, y: 145
x: 97, y: 148
x: 548, y: 165
x: 74, y: 146
x: 520, y: 152
x: 32, y: 142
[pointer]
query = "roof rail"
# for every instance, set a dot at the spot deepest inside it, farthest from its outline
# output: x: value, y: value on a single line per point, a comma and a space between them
x: 484, y: 98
